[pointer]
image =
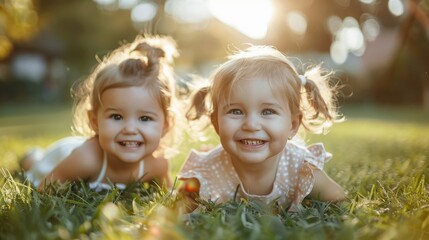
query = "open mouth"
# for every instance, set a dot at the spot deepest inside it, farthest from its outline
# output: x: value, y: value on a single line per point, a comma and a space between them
x: 252, y: 142
x: 130, y: 143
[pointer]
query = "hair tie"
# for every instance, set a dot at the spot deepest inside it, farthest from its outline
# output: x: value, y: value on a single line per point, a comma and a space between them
x: 303, y: 80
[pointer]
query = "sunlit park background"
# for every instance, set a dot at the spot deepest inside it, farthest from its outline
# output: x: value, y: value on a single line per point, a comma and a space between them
x: 379, y: 50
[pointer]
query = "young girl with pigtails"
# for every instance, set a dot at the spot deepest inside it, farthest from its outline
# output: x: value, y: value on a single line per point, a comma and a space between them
x: 126, y: 111
x: 256, y: 102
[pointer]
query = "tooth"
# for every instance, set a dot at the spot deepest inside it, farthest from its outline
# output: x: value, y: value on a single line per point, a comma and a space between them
x: 252, y: 142
x: 130, y: 143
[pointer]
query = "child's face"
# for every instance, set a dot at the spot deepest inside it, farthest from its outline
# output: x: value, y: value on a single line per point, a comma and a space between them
x: 129, y: 123
x: 255, y: 124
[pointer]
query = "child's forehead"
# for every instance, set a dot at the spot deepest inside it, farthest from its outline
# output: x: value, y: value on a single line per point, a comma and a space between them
x: 117, y: 94
x: 130, y: 100
x: 126, y: 89
x: 261, y: 85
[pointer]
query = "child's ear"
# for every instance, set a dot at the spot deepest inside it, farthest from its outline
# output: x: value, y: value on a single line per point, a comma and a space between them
x: 296, y: 122
x: 213, y: 119
x: 92, y: 116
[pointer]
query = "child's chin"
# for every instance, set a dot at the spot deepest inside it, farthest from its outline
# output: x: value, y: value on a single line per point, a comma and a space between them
x: 131, y: 159
x: 251, y: 159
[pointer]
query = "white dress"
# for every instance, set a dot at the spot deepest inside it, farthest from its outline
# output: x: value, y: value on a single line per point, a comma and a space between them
x: 46, y: 161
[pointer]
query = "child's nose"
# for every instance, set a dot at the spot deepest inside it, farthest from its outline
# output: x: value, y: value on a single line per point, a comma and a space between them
x: 130, y: 127
x: 251, y: 123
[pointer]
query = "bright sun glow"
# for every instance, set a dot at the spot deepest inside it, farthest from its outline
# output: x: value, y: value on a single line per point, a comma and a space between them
x: 251, y: 17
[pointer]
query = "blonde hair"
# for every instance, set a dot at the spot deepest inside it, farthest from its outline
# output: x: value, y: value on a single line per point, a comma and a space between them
x: 314, y: 101
x: 146, y: 62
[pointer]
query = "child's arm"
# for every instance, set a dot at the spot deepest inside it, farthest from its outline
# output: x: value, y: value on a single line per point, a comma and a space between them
x: 325, y: 188
x: 79, y: 165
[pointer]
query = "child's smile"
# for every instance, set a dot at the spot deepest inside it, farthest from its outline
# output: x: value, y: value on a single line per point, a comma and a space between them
x: 252, y: 142
x: 131, y: 144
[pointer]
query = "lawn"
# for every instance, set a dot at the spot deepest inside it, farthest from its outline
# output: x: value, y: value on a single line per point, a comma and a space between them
x: 381, y: 157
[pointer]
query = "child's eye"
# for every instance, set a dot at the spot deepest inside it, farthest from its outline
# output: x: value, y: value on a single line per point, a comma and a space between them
x: 268, y: 112
x: 145, y: 118
x: 235, y: 112
x: 115, y: 117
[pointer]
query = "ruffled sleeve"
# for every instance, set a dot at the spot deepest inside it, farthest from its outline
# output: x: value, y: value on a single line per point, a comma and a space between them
x: 192, y: 165
x: 314, y: 157
x: 317, y: 155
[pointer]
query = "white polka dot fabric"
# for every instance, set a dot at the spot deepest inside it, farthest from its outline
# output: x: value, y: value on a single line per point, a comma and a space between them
x: 294, y: 179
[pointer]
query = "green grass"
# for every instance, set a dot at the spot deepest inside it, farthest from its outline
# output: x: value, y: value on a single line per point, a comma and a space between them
x: 380, y: 156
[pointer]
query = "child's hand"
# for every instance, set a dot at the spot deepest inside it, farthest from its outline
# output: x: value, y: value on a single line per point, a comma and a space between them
x: 189, y: 192
x: 191, y: 185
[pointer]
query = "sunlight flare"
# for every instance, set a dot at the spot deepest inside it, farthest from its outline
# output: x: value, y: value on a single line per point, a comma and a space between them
x: 250, y: 17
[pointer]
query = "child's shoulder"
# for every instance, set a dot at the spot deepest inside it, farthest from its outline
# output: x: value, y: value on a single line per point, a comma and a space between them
x: 89, y: 154
x: 315, y: 153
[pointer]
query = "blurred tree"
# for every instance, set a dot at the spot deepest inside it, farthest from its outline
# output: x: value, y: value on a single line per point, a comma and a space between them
x: 406, y: 80
x: 18, y: 22
x: 86, y: 29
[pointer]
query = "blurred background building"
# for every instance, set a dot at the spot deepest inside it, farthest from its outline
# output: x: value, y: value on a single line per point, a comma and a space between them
x: 379, y: 48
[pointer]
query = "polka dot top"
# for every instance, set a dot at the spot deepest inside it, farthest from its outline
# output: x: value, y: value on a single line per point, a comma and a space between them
x: 294, y: 178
